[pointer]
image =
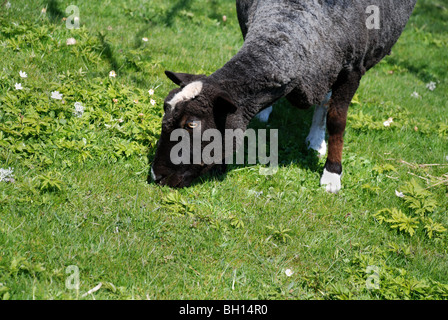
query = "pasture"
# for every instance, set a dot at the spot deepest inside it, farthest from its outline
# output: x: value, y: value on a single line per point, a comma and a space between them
x: 80, y: 116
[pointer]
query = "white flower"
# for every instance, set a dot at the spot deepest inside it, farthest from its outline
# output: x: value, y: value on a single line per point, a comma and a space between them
x: 18, y: 86
x: 399, y: 194
x: 415, y: 95
x: 145, y: 39
x: 79, y: 110
x: 431, y: 86
x: 56, y: 95
x: 153, y: 102
x: 255, y: 193
x: 120, y: 120
x: 8, y: 5
x: 23, y: 74
x: 112, y: 74
x: 151, y: 92
x: 70, y: 41
x: 288, y: 272
x: 6, y: 175
x: 388, y: 122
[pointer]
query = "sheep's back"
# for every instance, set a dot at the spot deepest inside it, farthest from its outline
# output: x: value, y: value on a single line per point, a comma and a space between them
x: 309, y: 42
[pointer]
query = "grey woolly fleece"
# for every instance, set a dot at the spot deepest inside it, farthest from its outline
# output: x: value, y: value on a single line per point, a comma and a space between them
x: 299, y: 47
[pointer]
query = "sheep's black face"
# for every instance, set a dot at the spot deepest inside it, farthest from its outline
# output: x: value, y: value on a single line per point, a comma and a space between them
x: 191, y: 110
x: 173, y: 163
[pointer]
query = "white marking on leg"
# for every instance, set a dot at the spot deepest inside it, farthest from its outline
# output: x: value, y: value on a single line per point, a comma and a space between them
x: 263, y: 116
x: 316, y: 137
x: 332, y: 181
x: 189, y: 92
x: 153, y: 175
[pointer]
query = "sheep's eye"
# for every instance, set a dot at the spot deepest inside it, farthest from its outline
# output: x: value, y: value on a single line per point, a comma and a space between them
x: 192, y: 124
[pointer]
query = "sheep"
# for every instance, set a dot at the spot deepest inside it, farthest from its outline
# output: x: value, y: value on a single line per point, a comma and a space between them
x: 313, y: 52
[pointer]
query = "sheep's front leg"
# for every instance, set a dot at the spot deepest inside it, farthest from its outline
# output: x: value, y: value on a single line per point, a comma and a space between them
x: 343, y: 92
x: 316, y: 137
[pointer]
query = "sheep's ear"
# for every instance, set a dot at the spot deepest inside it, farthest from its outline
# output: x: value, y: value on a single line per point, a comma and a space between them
x: 182, y: 79
x: 224, y: 104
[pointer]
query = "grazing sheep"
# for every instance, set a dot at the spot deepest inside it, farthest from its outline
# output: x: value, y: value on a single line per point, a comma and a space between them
x: 304, y: 50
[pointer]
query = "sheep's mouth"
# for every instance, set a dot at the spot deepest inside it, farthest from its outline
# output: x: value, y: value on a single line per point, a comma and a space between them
x: 173, y: 181
x: 177, y: 180
x: 185, y: 179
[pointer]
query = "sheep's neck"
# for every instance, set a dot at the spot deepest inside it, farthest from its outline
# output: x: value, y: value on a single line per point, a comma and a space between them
x: 252, y: 87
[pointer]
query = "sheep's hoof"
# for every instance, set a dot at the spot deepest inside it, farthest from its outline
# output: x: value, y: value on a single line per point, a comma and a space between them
x: 331, y: 181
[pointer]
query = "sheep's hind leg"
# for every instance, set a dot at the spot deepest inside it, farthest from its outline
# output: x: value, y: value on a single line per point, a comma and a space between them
x: 342, y: 93
x: 316, y: 137
x: 263, y: 116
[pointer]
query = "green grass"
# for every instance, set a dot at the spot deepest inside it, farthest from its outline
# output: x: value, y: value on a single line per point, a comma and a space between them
x: 80, y: 198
